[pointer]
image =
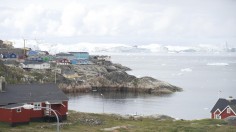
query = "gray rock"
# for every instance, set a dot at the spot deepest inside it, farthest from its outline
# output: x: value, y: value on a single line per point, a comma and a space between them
x: 231, y: 120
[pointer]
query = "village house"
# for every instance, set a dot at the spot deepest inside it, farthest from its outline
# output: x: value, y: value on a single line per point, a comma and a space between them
x: 81, y: 57
x: 67, y: 56
x: 34, y: 65
x: 224, y: 108
x: 13, y: 53
x: 42, y: 96
x: 62, y: 61
x: 102, y: 57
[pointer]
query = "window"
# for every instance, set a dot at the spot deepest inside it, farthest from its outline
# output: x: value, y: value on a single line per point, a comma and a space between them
x: 228, y: 110
x: 37, y: 106
x: 18, y: 110
x: 217, y: 116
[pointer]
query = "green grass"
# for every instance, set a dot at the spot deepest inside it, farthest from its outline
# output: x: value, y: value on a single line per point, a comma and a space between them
x: 82, y: 122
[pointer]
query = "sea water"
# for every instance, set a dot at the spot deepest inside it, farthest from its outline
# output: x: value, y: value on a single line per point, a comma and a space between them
x: 204, y: 78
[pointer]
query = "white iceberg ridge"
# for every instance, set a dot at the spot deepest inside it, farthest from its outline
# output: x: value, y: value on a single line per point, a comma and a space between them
x: 217, y: 64
x: 54, y: 48
x: 186, y: 70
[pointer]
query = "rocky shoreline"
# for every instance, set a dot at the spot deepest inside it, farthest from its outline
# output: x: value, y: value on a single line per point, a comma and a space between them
x: 105, y: 76
x: 99, y: 75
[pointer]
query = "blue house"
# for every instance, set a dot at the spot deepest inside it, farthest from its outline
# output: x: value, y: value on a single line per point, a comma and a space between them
x: 74, y: 61
x: 12, y: 56
x: 32, y: 53
x: 81, y: 57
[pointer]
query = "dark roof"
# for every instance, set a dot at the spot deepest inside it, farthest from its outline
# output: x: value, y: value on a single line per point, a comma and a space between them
x: 222, y: 103
x: 33, y: 62
x: 12, y: 106
x: 233, y: 107
x: 79, y: 52
x: 26, y: 93
x: 64, y: 54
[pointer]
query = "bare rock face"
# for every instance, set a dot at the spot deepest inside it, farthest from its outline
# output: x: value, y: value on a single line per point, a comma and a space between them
x: 121, y: 81
x: 231, y: 120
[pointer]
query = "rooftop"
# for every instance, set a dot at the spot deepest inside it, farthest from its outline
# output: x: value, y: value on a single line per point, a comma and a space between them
x: 26, y: 93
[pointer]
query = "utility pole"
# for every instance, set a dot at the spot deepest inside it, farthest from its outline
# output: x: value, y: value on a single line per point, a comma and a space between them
x: 56, y: 74
x: 24, y: 49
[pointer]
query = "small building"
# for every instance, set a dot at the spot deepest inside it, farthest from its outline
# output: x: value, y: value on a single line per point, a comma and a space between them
x: 12, y: 56
x: 13, y: 97
x: 7, y: 52
x: 62, y: 61
x: 81, y: 57
x: 34, y: 65
x: 74, y: 61
x: 102, y: 57
x: 67, y: 56
x: 32, y: 53
x: 224, y: 108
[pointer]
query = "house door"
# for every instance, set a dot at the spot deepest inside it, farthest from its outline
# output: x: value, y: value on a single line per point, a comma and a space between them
x: 47, y: 110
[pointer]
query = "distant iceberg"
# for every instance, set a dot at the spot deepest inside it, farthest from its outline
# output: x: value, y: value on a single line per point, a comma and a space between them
x: 186, y: 70
x: 217, y: 64
x: 54, y: 48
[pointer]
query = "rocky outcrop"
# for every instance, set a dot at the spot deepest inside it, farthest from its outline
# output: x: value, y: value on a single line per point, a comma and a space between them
x: 104, y: 76
x: 113, y: 77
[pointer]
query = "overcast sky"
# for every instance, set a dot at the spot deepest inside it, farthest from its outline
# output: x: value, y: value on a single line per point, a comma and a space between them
x: 175, y: 22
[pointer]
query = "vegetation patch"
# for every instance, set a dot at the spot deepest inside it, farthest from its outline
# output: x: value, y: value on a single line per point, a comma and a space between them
x: 89, y: 122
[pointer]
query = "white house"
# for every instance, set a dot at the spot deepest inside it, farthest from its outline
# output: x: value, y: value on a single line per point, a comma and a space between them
x: 35, y: 65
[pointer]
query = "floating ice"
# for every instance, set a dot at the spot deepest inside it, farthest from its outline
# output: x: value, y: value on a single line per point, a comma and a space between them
x: 217, y: 64
x: 186, y: 70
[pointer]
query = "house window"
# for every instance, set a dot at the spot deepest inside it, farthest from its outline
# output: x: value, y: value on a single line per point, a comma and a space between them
x: 18, y: 110
x: 217, y: 116
x: 228, y: 110
x: 37, y: 106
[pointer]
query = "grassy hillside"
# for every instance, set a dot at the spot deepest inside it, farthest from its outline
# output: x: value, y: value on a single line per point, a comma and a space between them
x: 15, y: 75
x: 12, y: 74
x: 84, y: 122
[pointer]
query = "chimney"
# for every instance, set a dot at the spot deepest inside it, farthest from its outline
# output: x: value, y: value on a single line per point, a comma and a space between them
x: 230, y: 98
x: 2, y: 84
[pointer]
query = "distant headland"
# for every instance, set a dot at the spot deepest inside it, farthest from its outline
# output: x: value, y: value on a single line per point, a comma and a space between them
x: 74, y: 71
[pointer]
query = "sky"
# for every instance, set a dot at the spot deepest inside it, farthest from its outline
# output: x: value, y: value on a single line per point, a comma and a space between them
x: 134, y: 22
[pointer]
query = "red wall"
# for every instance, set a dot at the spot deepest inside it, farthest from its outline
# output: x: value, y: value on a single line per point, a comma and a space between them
x: 213, y: 115
x: 60, y: 109
x: 5, y: 115
x: 12, y: 116
x: 37, y: 113
x: 22, y: 116
x: 224, y: 114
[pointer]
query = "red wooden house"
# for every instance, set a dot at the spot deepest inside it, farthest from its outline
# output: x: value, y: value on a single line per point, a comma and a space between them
x: 62, y: 61
x: 13, y: 97
x: 224, y: 108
